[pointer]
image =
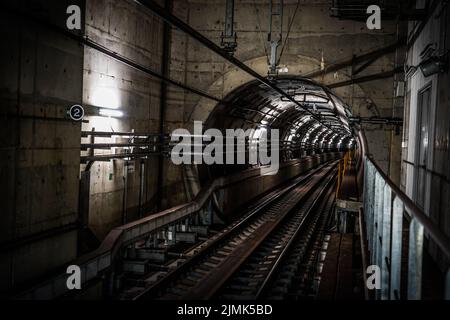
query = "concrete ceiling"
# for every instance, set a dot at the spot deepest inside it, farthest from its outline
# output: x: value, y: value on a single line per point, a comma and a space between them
x: 254, y: 105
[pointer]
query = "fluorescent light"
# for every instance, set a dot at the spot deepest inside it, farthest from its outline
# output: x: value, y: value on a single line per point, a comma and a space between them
x: 110, y: 113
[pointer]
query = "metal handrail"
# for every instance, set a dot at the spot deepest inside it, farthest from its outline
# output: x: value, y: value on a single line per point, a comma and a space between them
x: 440, y: 238
x: 425, y: 168
x: 385, y: 207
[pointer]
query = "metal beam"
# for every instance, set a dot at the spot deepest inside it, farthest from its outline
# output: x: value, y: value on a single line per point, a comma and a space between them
x: 275, y: 38
x: 421, y: 26
x: 176, y: 22
x: 378, y: 76
x: 357, y: 59
x: 358, y: 12
x: 229, y: 37
x: 229, y: 19
x: 378, y: 120
x: 364, y: 66
x: 166, y: 52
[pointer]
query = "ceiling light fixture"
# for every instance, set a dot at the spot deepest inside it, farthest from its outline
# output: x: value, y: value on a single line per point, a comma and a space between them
x: 283, y: 70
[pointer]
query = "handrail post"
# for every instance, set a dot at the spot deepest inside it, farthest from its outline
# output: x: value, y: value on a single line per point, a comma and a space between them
x: 377, y: 219
x: 366, y: 200
x: 374, y: 217
x: 370, y: 205
x: 379, y: 226
x: 386, y: 243
x: 396, y: 248
x: 415, y: 260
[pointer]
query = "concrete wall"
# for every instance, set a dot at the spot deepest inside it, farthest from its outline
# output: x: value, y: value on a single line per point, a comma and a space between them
x: 41, y: 75
x: 313, y: 33
x: 131, y: 32
x: 136, y: 34
x: 435, y: 189
x: 173, y: 190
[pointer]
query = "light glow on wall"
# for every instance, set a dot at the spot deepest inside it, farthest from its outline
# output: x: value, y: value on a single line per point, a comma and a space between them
x: 102, y: 123
x: 106, y: 98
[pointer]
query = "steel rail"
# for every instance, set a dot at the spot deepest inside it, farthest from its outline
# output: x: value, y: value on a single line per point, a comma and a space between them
x: 294, y: 237
x: 178, y: 23
x: 304, y: 254
x: 102, y: 259
x: 232, y: 266
x: 255, y: 212
x: 299, y: 215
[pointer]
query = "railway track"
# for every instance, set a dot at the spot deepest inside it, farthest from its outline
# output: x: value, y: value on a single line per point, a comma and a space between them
x: 275, y: 263
x: 296, y: 277
x: 251, y: 249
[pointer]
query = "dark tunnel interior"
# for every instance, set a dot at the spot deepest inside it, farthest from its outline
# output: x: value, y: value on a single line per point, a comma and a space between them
x: 262, y: 155
x: 321, y: 125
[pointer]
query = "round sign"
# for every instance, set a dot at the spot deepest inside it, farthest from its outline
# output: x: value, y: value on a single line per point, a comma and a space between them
x: 76, y: 112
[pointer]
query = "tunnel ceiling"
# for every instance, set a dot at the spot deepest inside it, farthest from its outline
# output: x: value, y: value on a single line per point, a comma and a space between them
x: 254, y: 105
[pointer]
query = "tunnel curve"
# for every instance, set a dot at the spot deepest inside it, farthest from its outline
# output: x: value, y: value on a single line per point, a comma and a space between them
x: 256, y: 106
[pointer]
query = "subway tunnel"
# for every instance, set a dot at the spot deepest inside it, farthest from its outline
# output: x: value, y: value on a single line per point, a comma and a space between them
x: 229, y: 150
x: 258, y: 108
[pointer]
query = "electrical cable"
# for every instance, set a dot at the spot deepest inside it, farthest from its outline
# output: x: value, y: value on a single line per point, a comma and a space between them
x: 289, y: 31
x: 260, y: 32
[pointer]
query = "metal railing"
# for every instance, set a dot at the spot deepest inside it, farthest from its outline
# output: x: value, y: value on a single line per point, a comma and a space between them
x: 387, y: 212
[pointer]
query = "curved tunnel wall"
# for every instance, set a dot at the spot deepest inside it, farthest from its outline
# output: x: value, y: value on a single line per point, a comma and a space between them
x: 320, y: 126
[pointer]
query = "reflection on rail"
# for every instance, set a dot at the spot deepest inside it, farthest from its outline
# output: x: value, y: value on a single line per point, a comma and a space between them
x: 244, y: 261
